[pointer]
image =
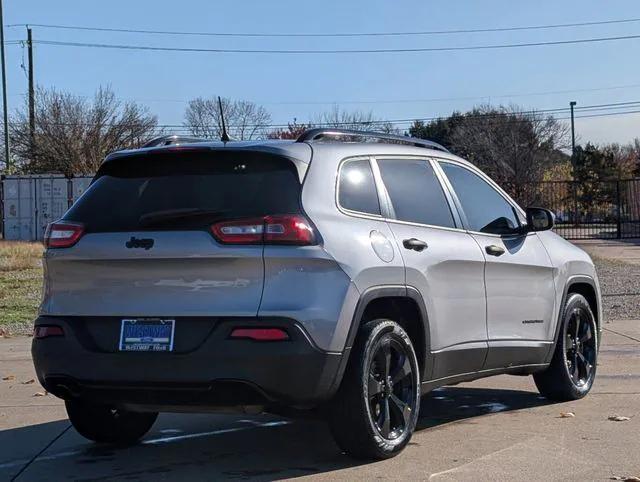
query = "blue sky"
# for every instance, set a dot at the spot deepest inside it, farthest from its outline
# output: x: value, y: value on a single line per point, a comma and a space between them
x: 301, y: 86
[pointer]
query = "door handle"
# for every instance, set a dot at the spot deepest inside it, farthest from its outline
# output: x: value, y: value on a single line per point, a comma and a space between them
x: 494, y: 250
x: 414, y: 244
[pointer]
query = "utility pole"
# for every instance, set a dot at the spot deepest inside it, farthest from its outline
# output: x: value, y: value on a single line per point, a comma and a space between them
x: 32, y: 95
x: 7, y: 155
x: 576, y: 212
x: 572, y: 104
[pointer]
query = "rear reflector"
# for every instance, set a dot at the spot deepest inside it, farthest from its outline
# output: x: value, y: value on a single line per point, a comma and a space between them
x: 62, y: 235
x: 260, y: 334
x: 283, y: 229
x: 47, y: 331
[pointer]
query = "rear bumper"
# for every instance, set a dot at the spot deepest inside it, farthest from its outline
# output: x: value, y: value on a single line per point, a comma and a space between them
x: 205, y: 370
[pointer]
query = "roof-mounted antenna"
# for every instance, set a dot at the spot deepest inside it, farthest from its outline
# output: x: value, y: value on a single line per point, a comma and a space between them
x: 225, y: 137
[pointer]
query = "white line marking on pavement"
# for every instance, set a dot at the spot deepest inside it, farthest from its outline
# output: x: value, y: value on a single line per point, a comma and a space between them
x: 153, y: 441
x: 162, y: 440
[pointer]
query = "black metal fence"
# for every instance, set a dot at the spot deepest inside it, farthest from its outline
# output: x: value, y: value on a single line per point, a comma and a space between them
x: 590, y: 209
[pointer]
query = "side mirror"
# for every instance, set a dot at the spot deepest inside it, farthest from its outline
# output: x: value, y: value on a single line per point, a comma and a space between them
x: 539, y: 219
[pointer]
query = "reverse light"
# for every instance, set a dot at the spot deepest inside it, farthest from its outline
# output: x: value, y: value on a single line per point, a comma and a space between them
x: 260, y: 334
x: 40, y: 332
x: 289, y: 229
x: 62, y: 235
x: 245, y: 231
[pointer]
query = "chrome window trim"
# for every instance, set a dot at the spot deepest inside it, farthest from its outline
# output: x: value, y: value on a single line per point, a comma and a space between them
x: 419, y: 225
x: 501, y: 236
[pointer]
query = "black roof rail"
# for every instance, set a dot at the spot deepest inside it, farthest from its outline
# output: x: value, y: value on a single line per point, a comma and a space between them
x: 311, y: 135
x: 172, y: 139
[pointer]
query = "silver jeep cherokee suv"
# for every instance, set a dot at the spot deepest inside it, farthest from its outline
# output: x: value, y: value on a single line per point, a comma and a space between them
x: 350, y: 272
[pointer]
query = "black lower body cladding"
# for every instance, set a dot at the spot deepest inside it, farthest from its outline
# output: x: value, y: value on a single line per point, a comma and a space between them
x: 206, y: 369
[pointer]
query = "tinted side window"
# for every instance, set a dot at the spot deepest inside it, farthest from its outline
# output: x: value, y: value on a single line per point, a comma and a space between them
x: 486, y: 210
x: 415, y: 192
x: 357, y: 188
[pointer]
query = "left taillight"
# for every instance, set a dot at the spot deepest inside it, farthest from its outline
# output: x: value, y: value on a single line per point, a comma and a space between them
x: 291, y: 229
x: 62, y: 235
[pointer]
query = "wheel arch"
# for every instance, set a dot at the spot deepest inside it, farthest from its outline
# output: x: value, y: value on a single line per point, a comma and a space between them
x: 399, y: 303
x: 587, y: 288
x: 583, y: 285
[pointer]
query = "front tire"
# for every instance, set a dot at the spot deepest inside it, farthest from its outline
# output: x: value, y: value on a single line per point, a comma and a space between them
x: 572, y: 370
x: 375, y: 411
x: 104, y: 424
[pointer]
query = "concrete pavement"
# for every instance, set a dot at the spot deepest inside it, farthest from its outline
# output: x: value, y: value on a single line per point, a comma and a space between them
x: 626, y: 250
x: 493, y: 429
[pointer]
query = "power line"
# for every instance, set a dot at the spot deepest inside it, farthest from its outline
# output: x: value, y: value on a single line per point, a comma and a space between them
x: 330, y: 34
x: 442, y: 99
x: 497, y: 115
x: 328, y: 124
x: 188, y: 129
x: 393, y: 101
x: 607, y: 114
x: 332, y: 51
x: 609, y: 105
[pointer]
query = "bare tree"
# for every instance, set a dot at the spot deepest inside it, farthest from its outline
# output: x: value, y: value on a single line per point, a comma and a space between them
x: 626, y: 158
x: 514, y: 147
x: 73, y: 135
x: 356, y: 120
x: 244, y: 119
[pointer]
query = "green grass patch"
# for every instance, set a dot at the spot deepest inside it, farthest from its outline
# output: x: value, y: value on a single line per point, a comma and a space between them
x: 20, y: 281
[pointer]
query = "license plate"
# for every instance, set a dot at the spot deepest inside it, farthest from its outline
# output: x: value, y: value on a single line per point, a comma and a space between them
x: 147, y: 335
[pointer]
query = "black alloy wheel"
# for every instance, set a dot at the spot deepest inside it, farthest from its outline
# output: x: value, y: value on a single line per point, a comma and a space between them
x: 572, y: 370
x: 390, y: 388
x: 580, y: 347
x: 375, y: 411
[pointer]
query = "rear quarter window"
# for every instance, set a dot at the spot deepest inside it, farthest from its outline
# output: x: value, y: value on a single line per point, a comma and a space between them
x: 356, y: 187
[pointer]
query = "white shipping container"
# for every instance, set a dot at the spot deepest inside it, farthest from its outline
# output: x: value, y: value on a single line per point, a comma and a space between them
x: 31, y: 202
x: 52, y: 201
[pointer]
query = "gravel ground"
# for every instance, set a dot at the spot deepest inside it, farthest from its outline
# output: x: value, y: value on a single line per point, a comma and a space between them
x: 620, y: 285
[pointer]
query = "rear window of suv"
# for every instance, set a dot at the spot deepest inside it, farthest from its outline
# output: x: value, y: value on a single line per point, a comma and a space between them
x: 186, y: 190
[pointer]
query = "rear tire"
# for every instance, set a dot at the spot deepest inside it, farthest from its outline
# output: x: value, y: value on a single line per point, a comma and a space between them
x: 375, y: 411
x: 572, y: 370
x: 104, y: 424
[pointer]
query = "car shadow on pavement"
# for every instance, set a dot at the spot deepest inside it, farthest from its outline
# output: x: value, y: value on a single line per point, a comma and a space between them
x: 452, y: 404
x: 263, y: 447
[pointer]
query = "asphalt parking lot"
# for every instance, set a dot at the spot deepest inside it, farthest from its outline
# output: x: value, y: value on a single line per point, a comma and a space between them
x: 493, y: 429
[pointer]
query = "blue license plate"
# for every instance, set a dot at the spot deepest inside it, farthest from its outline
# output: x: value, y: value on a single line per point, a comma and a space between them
x: 147, y: 335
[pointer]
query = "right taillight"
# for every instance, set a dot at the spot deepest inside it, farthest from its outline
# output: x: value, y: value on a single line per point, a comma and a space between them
x: 47, y: 331
x: 260, y: 334
x: 62, y: 235
x: 291, y: 229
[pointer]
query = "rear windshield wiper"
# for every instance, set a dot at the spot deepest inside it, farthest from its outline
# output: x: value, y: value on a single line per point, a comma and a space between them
x: 168, y: 215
